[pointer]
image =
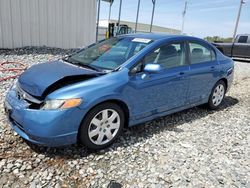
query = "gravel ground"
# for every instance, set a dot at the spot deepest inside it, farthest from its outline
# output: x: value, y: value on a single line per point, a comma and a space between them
x: 192, y: 148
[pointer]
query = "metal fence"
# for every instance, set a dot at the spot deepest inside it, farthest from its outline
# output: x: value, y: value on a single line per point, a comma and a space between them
x: 53, y: 23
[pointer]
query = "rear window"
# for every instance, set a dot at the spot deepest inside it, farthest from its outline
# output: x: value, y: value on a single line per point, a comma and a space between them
x: 243, y: 39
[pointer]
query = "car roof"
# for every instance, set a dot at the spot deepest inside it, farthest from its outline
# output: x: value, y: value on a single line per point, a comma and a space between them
x: 157, y: 36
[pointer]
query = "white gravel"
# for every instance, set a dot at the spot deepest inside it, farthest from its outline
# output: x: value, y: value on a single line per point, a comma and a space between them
x: 192, y: 148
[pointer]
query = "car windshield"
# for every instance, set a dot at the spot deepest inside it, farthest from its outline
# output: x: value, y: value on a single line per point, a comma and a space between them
x: 109, y: 54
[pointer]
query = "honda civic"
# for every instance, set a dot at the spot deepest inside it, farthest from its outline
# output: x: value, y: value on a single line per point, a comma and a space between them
x: 90, y: 96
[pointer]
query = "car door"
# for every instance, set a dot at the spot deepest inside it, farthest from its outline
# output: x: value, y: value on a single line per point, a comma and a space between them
x: 203, y: 72
x: 241, y: 48
x: 152, y: 93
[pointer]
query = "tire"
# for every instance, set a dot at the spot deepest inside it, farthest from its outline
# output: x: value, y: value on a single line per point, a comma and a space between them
x: 101, y: 126
x: 217, y: 95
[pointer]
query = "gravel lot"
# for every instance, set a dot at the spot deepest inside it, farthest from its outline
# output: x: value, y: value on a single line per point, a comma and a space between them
x: 192, y: 148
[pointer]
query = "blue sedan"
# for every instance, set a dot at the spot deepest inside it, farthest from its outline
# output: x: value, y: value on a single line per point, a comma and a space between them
x: 90, y: 96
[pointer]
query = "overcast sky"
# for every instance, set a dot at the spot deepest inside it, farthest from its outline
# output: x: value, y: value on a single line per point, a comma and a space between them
x: 203, y: 18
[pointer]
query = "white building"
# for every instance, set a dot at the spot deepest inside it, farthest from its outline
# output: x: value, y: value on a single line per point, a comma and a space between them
x: 53, y: 23
x: 141, y: 27
x: 56, y: 23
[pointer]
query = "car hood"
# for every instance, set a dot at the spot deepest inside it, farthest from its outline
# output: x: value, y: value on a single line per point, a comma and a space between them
x: 41, y: 79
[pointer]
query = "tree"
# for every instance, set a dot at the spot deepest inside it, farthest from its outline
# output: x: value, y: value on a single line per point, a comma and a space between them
x: 217, y: 39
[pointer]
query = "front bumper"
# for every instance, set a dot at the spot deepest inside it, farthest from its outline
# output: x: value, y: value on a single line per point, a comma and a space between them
x: 44, y: 127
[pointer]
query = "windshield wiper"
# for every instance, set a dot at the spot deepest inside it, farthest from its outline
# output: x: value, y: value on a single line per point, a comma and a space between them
x: 89, y: 66
x: 75, y: 62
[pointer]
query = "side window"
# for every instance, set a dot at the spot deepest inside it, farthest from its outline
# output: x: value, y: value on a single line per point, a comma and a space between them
x: 242, y: 39
x: 200, y: 53
x: 168, y: 56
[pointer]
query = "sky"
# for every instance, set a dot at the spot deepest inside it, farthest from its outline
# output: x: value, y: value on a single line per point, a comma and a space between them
x: 203, y: 18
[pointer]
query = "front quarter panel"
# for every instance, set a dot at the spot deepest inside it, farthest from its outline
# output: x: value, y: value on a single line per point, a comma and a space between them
x: 95, y: 91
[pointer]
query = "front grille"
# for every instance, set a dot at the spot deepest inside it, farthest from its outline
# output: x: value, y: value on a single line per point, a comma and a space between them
x: 34, y: 103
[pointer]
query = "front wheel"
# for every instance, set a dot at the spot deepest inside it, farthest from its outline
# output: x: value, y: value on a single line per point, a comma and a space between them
x: 102, y: 125
x: 217, y: 95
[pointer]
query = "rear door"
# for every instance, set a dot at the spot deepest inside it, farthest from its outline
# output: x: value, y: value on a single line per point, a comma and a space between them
x: 204, y: 70
x: 241, y: 47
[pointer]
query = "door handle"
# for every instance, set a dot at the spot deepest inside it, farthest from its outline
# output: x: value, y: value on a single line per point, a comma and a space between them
x: 212, y: 68
x: 182, y: 73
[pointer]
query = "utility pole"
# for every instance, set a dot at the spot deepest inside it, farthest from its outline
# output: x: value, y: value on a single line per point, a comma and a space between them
x: 238, y: 19
x: 152, y: 17
x: 119, y: 18
x: 137, y: 15
x: 183, y: 17
x: 110, y: 6
x: 97, y: 21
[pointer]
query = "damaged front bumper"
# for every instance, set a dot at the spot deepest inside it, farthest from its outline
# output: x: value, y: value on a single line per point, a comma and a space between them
x: 44, y: 127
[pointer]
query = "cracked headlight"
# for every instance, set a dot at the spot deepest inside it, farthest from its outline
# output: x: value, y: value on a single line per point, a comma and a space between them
x: 61, y: 104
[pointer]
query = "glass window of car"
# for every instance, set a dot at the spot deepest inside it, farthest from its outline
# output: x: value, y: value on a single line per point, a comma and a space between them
x: 242, y: 39
x: 110, y: 53
x: 139, y: 47
x: 168, y: 56
x: 200, y: 53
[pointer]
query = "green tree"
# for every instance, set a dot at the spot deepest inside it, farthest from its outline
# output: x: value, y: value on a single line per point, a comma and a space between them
x: 217, y: 39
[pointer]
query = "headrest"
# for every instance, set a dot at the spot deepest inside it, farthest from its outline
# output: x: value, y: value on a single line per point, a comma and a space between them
x: 168, y: 50
x: 197, y: 51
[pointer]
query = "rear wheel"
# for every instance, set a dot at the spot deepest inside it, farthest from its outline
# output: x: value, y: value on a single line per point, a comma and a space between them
x: 102, y: 125
x: 217, y: 95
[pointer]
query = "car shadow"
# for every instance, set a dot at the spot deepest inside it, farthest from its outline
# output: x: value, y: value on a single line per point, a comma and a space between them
x: 138, y: 133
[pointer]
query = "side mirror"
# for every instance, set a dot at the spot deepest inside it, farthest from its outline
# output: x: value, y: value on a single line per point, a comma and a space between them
x: 152, y: 68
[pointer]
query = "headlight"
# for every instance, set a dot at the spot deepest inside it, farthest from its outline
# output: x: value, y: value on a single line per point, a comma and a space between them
x: 61, y: 104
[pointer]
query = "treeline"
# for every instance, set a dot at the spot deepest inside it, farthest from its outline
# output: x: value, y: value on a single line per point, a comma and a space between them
x: 218, y: 39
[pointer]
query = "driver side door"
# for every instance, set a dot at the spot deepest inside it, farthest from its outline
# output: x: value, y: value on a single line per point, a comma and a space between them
x: 155, y: 93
